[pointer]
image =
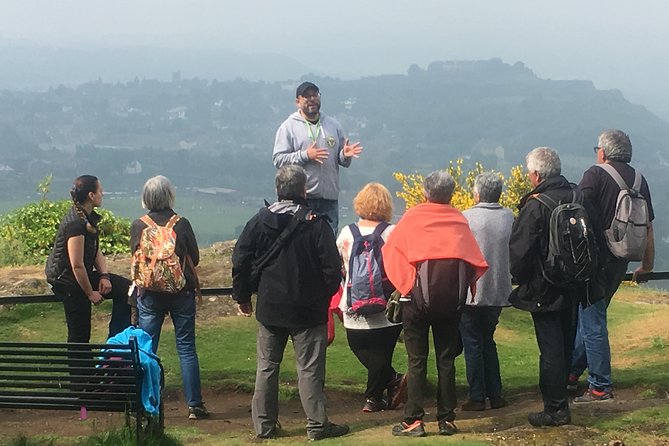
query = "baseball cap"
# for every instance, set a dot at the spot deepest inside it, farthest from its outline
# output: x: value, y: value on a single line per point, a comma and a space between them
x: 304, y: 86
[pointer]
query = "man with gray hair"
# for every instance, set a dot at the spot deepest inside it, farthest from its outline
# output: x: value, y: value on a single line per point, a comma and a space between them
x: 432, y: 256
x: 553, y: 308
x: 592, y: 349
x: 294, y: 289
x: 491, y: 224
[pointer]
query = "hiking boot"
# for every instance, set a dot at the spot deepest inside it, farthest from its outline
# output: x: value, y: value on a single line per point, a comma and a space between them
x: 473, y: 406
x: 572, y: 384
x: 374, y: 405
x: 497, y: 402
x: 198, y: 412
x: 593, y: 395
x: 447, y: 427
x: 540, y: 419
x: 415, y: 429
x: 330, y: 430
x: 397, y: 390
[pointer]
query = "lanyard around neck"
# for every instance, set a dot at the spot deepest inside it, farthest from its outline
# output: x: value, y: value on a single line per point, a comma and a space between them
x: 319, y: 130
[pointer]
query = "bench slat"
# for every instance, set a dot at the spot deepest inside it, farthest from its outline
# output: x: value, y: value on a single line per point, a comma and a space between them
x: 74, y: 405
x: 63, y: 360
x: 78, y: 354
x: 121, y: 371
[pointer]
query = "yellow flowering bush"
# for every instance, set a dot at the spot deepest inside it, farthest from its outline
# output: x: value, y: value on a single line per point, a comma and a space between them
x: 516, y: 186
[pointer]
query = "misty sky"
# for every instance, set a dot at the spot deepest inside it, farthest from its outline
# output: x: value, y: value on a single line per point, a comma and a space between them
x: 616, y: 43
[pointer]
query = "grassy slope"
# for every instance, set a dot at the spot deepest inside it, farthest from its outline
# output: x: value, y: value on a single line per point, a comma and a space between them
x: 639, y: 338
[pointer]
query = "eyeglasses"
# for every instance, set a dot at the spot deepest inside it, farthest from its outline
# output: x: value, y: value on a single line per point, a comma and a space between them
x: 308, y: 96
x: 596, y: 149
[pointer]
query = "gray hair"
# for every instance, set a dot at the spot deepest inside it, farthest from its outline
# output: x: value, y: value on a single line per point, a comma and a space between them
x: 616, y: 145
x: 545, y: 161
x: 291, y: 182
x: 439, y: 187
x: 158, y: 194
x: 488, y: 185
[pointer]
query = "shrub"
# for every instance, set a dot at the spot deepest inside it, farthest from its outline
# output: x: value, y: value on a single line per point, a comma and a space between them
x: 30, y: 231
x: 516, y: 185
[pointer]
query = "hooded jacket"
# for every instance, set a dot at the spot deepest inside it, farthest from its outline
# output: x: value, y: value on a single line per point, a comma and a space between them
x: 291, y: 144
x: 295, y: 287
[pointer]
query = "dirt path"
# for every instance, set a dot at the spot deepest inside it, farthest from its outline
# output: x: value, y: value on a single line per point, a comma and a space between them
x: 231, y: 414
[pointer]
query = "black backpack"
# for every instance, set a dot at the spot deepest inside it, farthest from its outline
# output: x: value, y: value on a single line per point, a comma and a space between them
x: 571, y: 259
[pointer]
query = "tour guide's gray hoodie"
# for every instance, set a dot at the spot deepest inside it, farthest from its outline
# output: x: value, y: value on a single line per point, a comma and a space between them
x: 291, y: 144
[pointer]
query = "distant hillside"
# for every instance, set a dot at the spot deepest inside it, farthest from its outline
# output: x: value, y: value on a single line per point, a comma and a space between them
x: 34, y: 67
x: 486, y: 110
x: 211, y: 133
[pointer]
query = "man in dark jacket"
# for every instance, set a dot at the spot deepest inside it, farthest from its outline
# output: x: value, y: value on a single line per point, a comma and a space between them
x: 553, y: 309
x: 294, y: 291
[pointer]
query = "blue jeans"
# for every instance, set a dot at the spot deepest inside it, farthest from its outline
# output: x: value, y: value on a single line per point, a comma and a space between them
x: 326, y: 207
x: 591, y: 347
x: 152, y: 309
x: 477, y: 328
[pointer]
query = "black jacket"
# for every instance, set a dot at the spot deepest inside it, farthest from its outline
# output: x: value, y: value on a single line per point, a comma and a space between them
x: 186, y: 243
x: 528, y: 247
x: 296, y: 286
x: 58, y: 268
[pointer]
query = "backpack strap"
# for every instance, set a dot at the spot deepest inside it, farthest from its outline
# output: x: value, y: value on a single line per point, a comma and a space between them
x: 546, y: 201
x: 148, y: 221
x: 379, y: 229
x: 355, y: 231
x: 172, y: 221
x: 303, y: 214
x: 617, y: 177
x: 637, y: 181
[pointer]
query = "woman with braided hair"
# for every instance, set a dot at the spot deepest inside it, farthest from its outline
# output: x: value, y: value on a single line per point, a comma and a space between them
x: 76, y: 268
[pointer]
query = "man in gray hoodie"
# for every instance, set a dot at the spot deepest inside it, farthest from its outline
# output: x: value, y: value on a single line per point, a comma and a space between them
x: 317, y: 143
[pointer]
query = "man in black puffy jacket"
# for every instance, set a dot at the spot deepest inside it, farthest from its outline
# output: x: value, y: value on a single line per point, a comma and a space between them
x: 553, y: 309
x: 294, y: 291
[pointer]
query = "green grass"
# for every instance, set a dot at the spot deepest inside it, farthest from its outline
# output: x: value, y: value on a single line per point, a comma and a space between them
x: 226, y: 350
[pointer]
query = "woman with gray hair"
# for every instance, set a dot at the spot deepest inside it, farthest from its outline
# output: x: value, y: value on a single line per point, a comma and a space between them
x: 173, y: 291
x: 491, y: 224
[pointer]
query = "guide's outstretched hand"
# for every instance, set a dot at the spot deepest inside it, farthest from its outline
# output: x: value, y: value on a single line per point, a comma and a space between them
x: 352, y: 150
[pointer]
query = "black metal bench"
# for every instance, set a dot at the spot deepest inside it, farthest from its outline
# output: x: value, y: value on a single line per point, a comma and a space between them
x: 69, y: 376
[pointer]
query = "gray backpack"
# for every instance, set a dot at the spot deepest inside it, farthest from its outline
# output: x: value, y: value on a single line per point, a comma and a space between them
x: 626, y: 237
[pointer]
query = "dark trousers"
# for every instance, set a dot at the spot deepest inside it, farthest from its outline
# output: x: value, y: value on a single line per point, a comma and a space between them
x: 374, y: 349
x: 477, y: 327
x: 447, y: 347
x: 555, y: 332
x: 78, y: 309
x: 326, y: 207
